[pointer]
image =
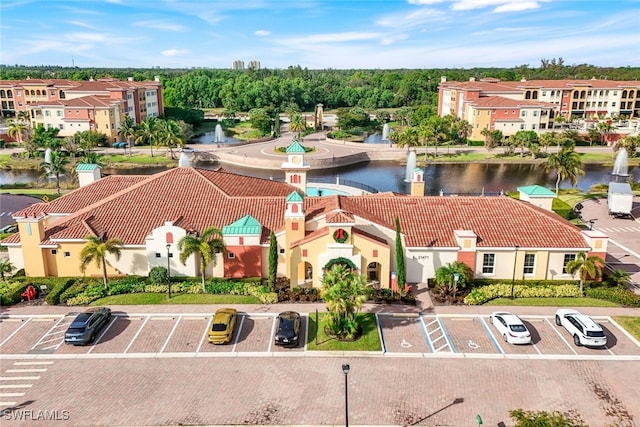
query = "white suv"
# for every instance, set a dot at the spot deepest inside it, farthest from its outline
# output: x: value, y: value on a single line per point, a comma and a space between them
x: 583, y: 329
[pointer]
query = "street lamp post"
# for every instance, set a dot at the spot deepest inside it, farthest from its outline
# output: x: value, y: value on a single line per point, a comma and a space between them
x: 345, y: 369
x: 169, y: 268
x: 513, y: 279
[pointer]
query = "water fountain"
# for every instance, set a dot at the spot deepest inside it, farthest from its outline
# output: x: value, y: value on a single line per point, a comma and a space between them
x: 219, y: 135
x: 47, y: 161
x: 411, y: 165
x: 385, y: 132
x: 621, y: 165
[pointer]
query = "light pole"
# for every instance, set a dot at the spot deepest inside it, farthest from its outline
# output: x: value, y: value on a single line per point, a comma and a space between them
x: 169, y: 268
x: 345, y: 369
x: 513, y: 279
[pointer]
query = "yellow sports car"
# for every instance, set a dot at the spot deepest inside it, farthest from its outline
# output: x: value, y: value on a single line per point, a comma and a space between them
x: 222, y: 325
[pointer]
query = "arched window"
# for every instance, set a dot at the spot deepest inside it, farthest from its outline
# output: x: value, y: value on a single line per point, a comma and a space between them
x: 535, y: 95
x: 61, y: 94
x: 169, y: 237
x: 9, y: 94
x: 308, y: 271
x: 583, y: 94
x: 294, y: 208
x: 33, y: 93
x: 624, y: 93
x: 2, y: 94
x: 527, y: 95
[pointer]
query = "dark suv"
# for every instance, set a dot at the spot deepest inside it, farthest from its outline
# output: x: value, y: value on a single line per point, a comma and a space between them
x: 288, y: 329
x: 85, y: 326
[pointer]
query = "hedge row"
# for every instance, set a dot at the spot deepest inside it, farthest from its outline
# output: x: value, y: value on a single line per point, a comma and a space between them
x: 483, y: 294
x: 619, y: 295
x: 11, y: 292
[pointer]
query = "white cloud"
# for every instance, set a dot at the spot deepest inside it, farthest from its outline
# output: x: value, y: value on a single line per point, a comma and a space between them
x: 262, y: 33
x: 421, y: 2
x: 517, y: 6
x: 160, y: 25
x: 331, y: 38
x: 500, y: 5
x: 174, y: 52
x: 412, y: 19
x: 80, y: 24
x: 87, y: 37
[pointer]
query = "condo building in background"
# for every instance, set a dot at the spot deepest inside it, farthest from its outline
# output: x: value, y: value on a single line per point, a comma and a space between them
x: 536, y: 105
x: 76, y: 106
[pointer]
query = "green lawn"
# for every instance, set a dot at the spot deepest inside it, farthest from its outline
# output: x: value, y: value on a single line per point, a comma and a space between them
x: 159, y: 158
x: 553, y: 302
x: 148, y: 299
x: 630, y: 323
x: 369, y: 341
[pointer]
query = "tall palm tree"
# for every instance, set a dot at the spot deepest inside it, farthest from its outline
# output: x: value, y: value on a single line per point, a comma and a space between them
x: 205, y: 246
x: 586, y: 267
x: 170, y: 134
x: 547, y: 139
x: 97, y: 250
x: 447, y: 274
x: 23, y: 116
x: 147, y: 132
x: 297, y: 124
x: 16, y: 130
x: 567, y: 165
x: 5, y: 267
x: 128, y: 130
x: 57, y: 167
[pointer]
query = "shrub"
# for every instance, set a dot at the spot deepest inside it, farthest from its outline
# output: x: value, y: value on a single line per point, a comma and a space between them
x: 233, y: 287
x: 487, y: 293
x: 619, y: 295
x: 11, y: 293
x: 82, y: 299
x: 157, y: 289
x: 262, y: 293
x: 158, y: 275
x: 53, y: 297
x: 74, y: 290
x: 126, y: 285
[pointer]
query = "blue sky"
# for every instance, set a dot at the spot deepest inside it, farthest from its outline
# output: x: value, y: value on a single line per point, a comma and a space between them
x: 319, y: 34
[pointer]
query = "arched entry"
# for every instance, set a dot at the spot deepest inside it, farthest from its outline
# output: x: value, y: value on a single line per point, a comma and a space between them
x: 308, y: 273
x: 340, y: 261
x: 373, y: 273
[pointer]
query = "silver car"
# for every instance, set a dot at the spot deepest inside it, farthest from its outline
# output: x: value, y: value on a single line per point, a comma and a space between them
x: 85, y: 327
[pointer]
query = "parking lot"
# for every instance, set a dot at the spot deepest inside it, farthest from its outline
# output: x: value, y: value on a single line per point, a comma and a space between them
x: 185, y: 335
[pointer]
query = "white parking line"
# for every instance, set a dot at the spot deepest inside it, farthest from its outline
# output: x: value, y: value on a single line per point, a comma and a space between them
x: 11, y: 394
x: 137, y: 333
x: 33, y: 363
x: 204, y: 335
x: 15, y: 332
x: 16, y: 371
x: 16, y: 385
x: 493, y: 337
x: 235, y: 342
x: 561, y: 337
x: 273, y: 334
x: 40, y: 341
x: 104, y: 331
x: 166, y: 342
x: 8, y: 403
x: 36, y: 377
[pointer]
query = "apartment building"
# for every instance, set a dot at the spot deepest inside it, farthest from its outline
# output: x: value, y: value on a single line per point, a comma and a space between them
x: 535, y: 105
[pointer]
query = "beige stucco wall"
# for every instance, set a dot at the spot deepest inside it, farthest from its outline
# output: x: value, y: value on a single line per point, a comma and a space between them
x: 422, y: 264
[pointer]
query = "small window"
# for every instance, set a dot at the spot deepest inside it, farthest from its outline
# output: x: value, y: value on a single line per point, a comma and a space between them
x: 304, y: 253
x: 158, y: 255
x: 67, y: 254
x: 231, y: 255
x: 567, y: 259
x: 488, y: 263
x: 529, y: 263
x: 54, y: 251
x: 282, y: 251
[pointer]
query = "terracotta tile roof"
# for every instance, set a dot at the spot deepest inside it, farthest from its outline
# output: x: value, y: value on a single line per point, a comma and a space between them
x: 340, y: 217
x: 498, y: 221
x: 311, y: 236
x: 92, y: 101
x: 508, y: 86
x: 496, y: 102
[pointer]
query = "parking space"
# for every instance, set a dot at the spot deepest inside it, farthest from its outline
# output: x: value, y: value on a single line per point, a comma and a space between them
x: 403, y: 334
x: 254, y: 333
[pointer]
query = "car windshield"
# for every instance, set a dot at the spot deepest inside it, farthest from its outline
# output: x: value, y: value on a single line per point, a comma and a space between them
x: 518, y: 328
x: 595, y: 334
x: 286, y: 324
x: 82, y: 318
x: 219, y: 327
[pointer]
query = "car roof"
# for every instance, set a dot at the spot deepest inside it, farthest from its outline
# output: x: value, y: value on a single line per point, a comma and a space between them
x: 511, y: 319
x: 587, y: 321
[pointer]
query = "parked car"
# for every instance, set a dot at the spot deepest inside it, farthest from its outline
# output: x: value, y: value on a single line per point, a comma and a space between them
x: 512, y: 329
x: 86, y: 326
x: 222, y: 325
x: 583, y: 329
x: 288, y: 329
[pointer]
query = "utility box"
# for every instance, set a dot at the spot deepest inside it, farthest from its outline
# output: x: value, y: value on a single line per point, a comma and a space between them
x: 620, y: 199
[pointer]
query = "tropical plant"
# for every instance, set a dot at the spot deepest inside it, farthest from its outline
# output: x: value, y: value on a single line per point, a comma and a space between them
x: 96, y: 250
x: 71, y: 144
x: 273, y: 260
x: 205, y: 246
x: 545, y: 419
x: 5, y: 267
x: 452, y: 277
x: 629, y: 143
x: 400, y: 258
x: 297, y: 124
x: 618, y: 277
x: 90, y: 139
x: 567, y: 165
x: 16, y: 130
x: 586, y: 267
x: 147, y: 132
x: 128, y: 130
x: 548, y: 138
x: 56, y: 167
x: 170, y: 134
x: 344, y: 292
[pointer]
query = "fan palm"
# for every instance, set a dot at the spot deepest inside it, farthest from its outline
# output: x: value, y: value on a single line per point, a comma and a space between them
x: 128, y: 131
x: 205, y: 246
x: 55, y: 168
x: 567, y: 165
x: 586, y: 267
x: 97, y: 250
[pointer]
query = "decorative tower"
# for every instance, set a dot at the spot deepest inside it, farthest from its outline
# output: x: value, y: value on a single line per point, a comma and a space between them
x: 294, y: 224
x: 294, y: 168
x: 417, y: 182
x: 319, y: 124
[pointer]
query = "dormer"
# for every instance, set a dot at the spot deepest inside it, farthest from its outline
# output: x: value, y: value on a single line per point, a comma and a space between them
x: 294, y: 206
x: 417, y: 182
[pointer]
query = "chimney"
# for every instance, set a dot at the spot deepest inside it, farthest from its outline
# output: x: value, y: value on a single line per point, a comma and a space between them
x: 443, y: 79
x: 156, y: 79
x: 129, y: 79
x: 472, y: 79
x: 523, y: 79
x: 88, y: 173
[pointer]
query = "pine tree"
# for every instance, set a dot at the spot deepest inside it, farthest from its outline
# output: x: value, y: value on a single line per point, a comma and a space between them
x: 400, y: 258
x: 273, y: 261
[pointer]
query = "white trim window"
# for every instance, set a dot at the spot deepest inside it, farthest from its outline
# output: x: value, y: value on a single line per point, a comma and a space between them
x: 529, y: 264
x: 567, y: 259
x: 489, y: 264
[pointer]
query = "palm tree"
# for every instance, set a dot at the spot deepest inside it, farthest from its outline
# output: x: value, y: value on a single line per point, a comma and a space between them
x: 586, y: 267
x: 567, y: 165
x: 618, y: 277
x: 97, y: 250
x: 128, y: 131
x: 344, y: 292
x: 453, y: 276
x: 16, y: 130
x: 170, y: 134
x: 547, y: 139
x: 206, y: 246
x: 297, y: 124
x: 57, y: 167
x: 147, y: 132
x: 5, y: 267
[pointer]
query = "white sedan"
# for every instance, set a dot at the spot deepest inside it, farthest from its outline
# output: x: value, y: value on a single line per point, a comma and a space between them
x: 510, y: 327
